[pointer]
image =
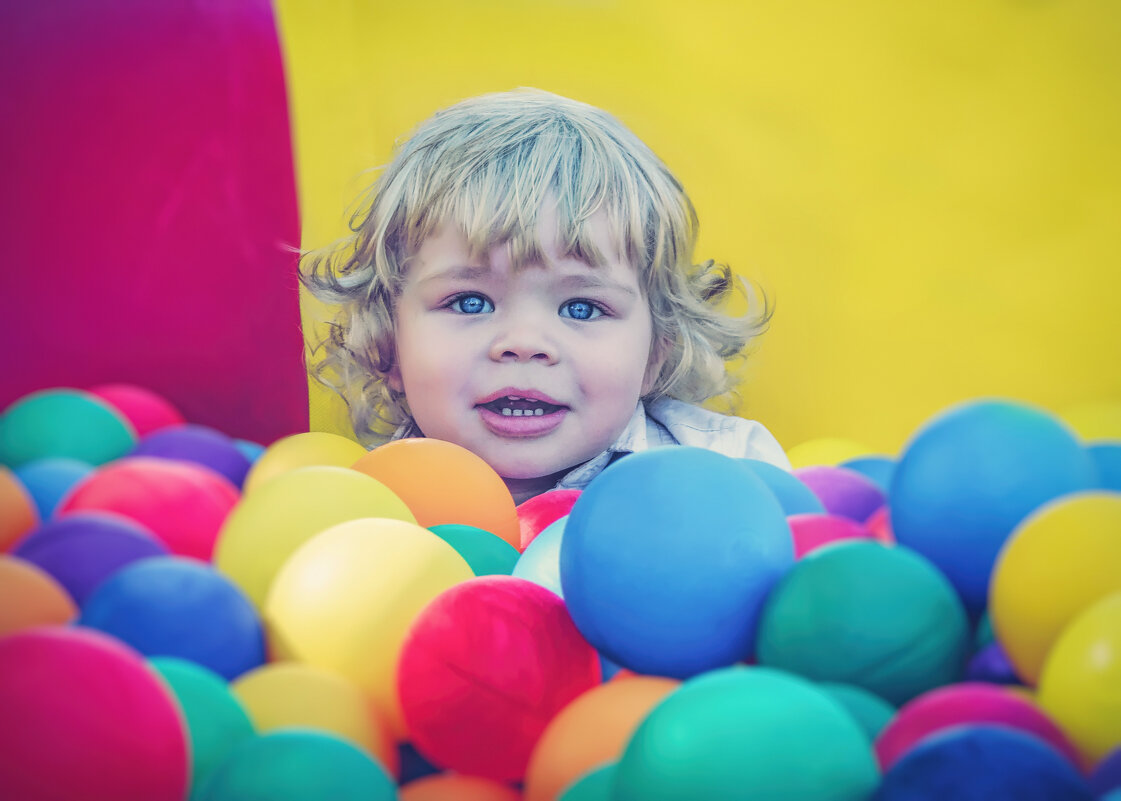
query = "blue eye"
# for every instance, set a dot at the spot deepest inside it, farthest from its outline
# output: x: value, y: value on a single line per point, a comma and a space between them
x: 472, y: 304
x: 580, y: 310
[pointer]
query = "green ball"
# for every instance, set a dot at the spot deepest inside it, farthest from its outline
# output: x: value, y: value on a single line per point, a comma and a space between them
x: 216, y: 720
x: 747, y: 733
x: 296, y: 765
x: 869, y: 711
x: 485, y: 553
x: 595, y: 785
x: 66, y: 424
x: 878, y: 617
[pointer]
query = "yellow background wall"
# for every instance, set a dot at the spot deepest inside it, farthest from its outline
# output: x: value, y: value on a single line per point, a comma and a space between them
x: 930, y: 192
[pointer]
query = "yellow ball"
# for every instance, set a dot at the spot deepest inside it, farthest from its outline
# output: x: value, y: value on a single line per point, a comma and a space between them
x: 828, y: 451
x: 302, y: 450
x: 1095, y: 420
x: 1057, y: 562
x: 345, y: 600
x: 1080, y: 686
x: 286, y: 694
x: 269, y: 524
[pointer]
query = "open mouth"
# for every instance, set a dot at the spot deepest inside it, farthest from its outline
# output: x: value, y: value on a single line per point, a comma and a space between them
x: 514, y: 406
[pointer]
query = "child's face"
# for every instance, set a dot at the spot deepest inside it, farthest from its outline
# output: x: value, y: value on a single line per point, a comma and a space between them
x: 535, y: 370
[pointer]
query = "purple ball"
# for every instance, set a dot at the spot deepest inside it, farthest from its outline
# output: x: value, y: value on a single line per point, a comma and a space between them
x: 83, y: 549
x: 200, y: 445
x: 1106, y: 777
x: 991, y: 665
x: 842, y: 491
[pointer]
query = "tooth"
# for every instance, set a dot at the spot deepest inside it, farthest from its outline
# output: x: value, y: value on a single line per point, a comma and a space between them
x: 513, y: 397
x: 506, y: 412
x: 538, y: 412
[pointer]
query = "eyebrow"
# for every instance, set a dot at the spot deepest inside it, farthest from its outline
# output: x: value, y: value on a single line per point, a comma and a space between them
x: 593, y: 281
x: 573, y: 282
x: 465, y: 272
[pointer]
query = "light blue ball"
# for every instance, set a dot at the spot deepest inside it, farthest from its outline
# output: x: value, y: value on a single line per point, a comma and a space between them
x: 667, y: 558
x: 540, y: 561
x: 1107, y: 458
x: 793, y: 496
x: 878, y: 469
x: 970, y: 475
x: 48, y: 480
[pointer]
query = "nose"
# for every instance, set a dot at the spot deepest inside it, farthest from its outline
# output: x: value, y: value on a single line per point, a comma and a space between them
x: 524, y: 338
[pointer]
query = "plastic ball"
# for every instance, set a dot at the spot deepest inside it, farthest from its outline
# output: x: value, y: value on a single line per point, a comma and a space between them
x: 29, y: 596
x: 825, y: 451
x: 170, y: 606
x: 183, y: 505
x: 692, y: 745
x: 869, y: 711
x: 346, y: 598
x: 146, y: 411
x: 1081, y: 676
x: 982, y: 763
x: 793, y: 495
x: 198, y: 445
x: 590, y: 731
x: 48, y: 481
x: 536, y: 514
x: 879, y: 469
x: 216, y: 722
x: 991, y: 664
x: 251, y: 450
x: 457, y: 787
x: 540, y: 561
x: 1072, y: 548
x: 968, y: 478
x: 297, y: 765
x: 1107, y: 458
x: 308, y: 449
x: 484, y: 668
x: 485, y: 554
x: 811, y: 532
x: 879, y: 526
x: 18, y: 515
x: 864, y: 614
x: 85, y: 717
x: 63, y: 423
x: 444, y: 483
x: 282, y: 514
x: 844, y: 493
x: 83, y: 549
x: 595, y: 785
x: 1106, y: 776
x: 961, y: 705
x: 288, y: 694
x: 668, y: 557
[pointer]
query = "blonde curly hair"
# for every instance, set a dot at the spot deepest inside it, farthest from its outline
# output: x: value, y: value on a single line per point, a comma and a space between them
x: 487, y: 165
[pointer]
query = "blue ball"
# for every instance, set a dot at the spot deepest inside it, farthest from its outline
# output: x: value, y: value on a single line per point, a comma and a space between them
x: 1107, y: 458
x: 667, y: 558
x: 970, y: 475
x: 180, y: 607
x: 793, y: 496
x: 540, y: 561
x: 249, y: 449
x: 878, y: 469
x: 983, y: 763
x: 48, y: 480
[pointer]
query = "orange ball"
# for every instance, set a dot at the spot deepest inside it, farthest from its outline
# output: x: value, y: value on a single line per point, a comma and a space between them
x: 444, y: 483
x: 590, y: 731
x: 30, y: 596
x: 456, y: 787
x: 17, y: 510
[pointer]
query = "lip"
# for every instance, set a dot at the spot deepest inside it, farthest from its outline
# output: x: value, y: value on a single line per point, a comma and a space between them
x: 519, y: 427
x: 528, y: 394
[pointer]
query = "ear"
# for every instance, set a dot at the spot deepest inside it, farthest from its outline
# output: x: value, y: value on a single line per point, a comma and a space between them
x: 659, y: 352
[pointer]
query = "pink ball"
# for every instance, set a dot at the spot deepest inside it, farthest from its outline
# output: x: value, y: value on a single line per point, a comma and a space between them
x: 183, y: 504
x: 540, y: 511
x: 146, y: 410
x: 879, y: 525
x: 85, y: 717
x: 485, y: 668
x: 810, y: 532
x: 842, y: 491
x: 968, y: 703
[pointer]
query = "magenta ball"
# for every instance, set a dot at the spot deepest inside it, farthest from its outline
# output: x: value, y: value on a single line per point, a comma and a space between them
x: 184, y: 505
x: 86, y: 718
x: 146, y: 410
x: 811, y: 532
x: 842, y: 491
x: 198, y: 445
x: 968, y: 703
x: 485, y: 667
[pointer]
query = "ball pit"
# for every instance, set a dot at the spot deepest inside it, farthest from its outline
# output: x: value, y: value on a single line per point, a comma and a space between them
x: 48, y: 480
x: 484, y: 668
x: 970, y: 475
x: 83, y: 549
x: 657, y: 601
x: 145, y: 410
x: 309, y: 449
x: 793, y: 495
x: 844, y: 493
x: 184, y: 505
x: 63, y: 423
x: 29, y: 596
x: 85, y: 717
x: 198, y: 445
x: 881, y: 618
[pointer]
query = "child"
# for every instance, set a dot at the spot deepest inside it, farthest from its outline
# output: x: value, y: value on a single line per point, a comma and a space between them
x: 521, y: 283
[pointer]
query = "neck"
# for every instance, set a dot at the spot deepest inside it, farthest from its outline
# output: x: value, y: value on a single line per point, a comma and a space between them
x: 522, y: 489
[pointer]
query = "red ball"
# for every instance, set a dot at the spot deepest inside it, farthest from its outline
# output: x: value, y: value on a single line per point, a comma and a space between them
x: 183, y: 504
x: 879, y: 525
x: 85, y: 717
x: 485, y: 668
x: 146, y: 410
x: 536, y: 514
x: 812, y: 531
